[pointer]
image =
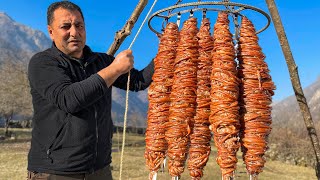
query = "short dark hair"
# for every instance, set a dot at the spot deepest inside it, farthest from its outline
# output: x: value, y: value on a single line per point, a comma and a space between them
x: 62, y: 4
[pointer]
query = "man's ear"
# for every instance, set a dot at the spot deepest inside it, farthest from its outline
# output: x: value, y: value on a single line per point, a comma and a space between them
x: 50, y: 31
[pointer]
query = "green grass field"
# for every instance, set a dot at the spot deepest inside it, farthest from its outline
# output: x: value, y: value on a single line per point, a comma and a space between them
x: 13, y: 162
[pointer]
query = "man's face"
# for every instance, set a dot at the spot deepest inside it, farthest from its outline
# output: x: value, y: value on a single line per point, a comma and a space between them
x: 68, y: 32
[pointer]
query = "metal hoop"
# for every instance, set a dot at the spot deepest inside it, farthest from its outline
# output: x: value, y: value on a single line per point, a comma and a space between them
x: 241, y: 7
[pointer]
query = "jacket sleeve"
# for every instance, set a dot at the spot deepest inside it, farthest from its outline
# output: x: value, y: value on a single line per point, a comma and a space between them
x: 51, y: 80
x: 139, y: 80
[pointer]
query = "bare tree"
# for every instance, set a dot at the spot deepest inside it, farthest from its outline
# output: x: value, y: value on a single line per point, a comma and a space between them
x: 15, y: 95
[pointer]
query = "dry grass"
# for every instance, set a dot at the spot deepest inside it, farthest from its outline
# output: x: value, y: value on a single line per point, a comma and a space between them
x: 13, y: 155
x: 134, y: 169
x: 13, y: 162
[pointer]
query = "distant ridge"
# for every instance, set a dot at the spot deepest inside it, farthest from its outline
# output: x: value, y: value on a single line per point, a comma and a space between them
x: 19, y: 42
x: 288, y: 111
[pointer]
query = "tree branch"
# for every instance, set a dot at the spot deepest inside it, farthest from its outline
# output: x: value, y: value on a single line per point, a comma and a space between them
x: 295, y: 80
x: 126, y: 30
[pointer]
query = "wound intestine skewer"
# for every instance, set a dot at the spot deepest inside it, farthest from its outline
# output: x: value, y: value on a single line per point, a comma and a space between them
x: 159, y: 99
x: 199, y: 150
x: 224, y: 116
x: 183, y: 98
x: 255, y: 101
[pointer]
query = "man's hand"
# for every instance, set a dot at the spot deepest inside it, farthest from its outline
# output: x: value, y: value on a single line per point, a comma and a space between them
x: 122, y: 64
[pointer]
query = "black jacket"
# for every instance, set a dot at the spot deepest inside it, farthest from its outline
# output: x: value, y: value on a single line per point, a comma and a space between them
x: 72, y: 126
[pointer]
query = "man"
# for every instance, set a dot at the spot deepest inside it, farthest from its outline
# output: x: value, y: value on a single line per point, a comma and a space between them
x: 71, y: 91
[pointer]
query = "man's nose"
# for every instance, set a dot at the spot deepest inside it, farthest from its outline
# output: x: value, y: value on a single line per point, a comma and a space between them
x: 74, y: 31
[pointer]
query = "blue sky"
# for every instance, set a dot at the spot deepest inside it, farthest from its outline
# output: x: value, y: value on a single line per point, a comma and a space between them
x: 103, y: 19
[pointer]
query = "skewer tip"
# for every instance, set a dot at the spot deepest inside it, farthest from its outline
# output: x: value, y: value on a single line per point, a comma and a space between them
x: 253, y: 177
x: 153, y: 175
x: 175, y: 178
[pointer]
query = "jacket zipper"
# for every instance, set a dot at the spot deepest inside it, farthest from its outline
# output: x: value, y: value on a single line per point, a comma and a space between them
x: 96, y: 144
x: 83, y: 68
x: 97, y: 133
x: 84, y: 71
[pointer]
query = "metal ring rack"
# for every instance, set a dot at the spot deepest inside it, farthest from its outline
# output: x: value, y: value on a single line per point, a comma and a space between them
x: 230, y: 7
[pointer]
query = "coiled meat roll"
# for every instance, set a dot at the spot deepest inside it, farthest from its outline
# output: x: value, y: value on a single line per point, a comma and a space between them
x: 199, y: 150
x: 224, y: 117
x: 159, y: 99
x: 183, y: 98
x: 256, y: 90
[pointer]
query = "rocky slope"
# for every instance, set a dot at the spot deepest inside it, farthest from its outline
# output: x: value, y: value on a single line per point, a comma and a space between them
x: 19, y: 42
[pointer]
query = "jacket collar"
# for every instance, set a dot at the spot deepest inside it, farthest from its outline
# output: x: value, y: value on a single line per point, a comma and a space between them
x: 87, y: 54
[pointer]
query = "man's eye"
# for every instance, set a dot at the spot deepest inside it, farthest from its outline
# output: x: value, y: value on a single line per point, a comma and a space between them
x: 79, y: 26
x: 65, y: 27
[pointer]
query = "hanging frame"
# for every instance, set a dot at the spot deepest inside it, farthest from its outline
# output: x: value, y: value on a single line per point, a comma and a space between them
x: 205, y: 6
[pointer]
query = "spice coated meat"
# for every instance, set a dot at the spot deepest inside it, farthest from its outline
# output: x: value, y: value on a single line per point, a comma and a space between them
x: 159, y: 99
x: 183, y: 98
x: 224, y: 117
x: 256, y: 96
x: 198, y: 88
x: 199, y: 149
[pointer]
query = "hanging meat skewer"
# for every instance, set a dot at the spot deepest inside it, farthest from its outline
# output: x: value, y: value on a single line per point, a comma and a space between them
x: 224, y: 117
x: 159, y: 99
x: 199, y: 150
x: 256, y: 90
x: 183, y: 98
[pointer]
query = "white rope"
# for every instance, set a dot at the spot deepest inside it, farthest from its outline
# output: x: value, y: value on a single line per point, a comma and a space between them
x: 124, y: 125
x: 127, y: 93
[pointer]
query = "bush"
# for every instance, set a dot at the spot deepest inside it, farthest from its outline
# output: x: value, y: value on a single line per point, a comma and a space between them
x: 290, y: 143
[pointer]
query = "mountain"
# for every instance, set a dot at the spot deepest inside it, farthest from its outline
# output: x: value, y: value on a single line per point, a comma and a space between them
x: 137, y: 107
x: 19, y: 42
x: 288, y: 109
